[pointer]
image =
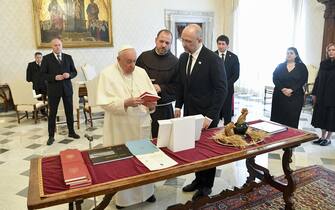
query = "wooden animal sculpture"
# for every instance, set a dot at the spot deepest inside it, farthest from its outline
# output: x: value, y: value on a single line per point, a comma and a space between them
x: 229, y: 129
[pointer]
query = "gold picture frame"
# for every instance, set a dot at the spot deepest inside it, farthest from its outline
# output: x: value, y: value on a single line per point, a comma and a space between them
x: 79, y: 23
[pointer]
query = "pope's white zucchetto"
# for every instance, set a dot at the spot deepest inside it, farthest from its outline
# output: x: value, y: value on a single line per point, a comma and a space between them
x: 124, y: 47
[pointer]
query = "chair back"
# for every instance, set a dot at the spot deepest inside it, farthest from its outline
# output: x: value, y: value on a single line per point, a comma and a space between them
x: 89, y: 71
x: 22, y: 92
x: 91, y: 86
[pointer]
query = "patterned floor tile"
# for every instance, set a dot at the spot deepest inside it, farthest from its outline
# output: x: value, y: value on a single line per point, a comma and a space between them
x: 25, y: 173
x: 11, y: 126
x: 299, y: 149
x: 176, y: 182
x: 34, y: 146
x: 274, y: 156
x: 218, y: 173
x: 31, y: 157
x: 98, y: 146
x: 65, y: 141
x: 23, y: 192
x: 2, y: 150
x: 97, y: 136
x: 328, y: 161
x: 8, y: 133
x: 4, y: 141
x: 91, y: 129
x: 36, y: 129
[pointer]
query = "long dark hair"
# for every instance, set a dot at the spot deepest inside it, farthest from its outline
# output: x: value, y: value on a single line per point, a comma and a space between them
x: 297, y: 59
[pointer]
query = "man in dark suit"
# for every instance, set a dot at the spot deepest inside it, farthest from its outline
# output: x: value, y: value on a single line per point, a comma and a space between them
x: 232, y: 66
x: 202, y: 90
x: 58, y: 69
x: 34, y: 75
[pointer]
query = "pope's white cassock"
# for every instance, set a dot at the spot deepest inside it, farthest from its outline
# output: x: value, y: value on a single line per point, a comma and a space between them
x: 122, y: 125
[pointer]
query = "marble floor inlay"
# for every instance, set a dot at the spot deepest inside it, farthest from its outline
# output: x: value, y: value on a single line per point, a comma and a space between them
x: 21, y: 142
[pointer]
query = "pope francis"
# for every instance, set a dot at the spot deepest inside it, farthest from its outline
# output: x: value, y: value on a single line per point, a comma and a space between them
x: 127, y: 117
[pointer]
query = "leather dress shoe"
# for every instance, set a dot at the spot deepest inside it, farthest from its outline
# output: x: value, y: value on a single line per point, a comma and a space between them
x: 318, y: 141
x: 74, y: 135
x: 151, y: 199
x: 325, y: 142
x: 191, y: 187
x: 202, y: 192
x: 119, y: 207
x: 50, y: 140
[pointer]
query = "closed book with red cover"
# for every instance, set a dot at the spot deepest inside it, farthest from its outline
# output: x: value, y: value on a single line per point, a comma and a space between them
x: 74, y: 169
x: 71, y: 155
x: 149, y: 97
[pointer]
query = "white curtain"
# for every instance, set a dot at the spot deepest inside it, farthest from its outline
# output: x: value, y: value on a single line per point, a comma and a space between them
x: 263, y: 30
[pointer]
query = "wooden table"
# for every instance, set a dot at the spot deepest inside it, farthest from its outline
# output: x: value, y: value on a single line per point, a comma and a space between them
x: 108, y: 189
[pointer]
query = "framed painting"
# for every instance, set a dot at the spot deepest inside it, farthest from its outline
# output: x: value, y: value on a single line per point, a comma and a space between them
x: 79, y: 23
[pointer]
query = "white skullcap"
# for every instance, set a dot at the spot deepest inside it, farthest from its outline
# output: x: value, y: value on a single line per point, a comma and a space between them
x: 125, y: 47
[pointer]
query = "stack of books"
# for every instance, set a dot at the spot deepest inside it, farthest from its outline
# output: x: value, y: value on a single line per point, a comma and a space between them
x: 75, y: 171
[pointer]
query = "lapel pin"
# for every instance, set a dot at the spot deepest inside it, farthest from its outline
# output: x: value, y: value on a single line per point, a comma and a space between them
x: 199, y: 62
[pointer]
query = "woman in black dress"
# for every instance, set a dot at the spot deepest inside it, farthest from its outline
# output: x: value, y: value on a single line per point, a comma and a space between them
x: 288, y: 95
x: 323, y: 95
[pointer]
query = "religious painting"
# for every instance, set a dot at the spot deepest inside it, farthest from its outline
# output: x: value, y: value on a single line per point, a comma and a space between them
x: 79, y: 23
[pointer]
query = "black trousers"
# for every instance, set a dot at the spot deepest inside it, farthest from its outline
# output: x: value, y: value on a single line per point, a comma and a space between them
x: 227, y: 109
x: 206, y: 178
x: 53, y: 102
x: 161, y: 113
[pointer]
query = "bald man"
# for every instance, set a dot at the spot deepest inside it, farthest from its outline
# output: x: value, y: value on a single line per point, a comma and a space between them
x: 202, y: 90
x: 127, y: 117
x: 58, y: 69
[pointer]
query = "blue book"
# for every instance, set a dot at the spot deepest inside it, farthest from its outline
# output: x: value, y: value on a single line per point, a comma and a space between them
x: 141, y: 147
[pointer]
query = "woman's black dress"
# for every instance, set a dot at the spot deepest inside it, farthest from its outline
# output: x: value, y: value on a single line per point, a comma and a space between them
x: 286, y: 110
x: 324, y: 90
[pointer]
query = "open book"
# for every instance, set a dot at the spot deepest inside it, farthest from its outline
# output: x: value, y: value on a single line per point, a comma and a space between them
x: 149, y: 97
x: 269, y: 127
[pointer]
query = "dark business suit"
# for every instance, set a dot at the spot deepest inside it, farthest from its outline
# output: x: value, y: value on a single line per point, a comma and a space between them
x: 34, y: 75
x: 203, y: 92
x: 232, y: 66
x: 59, y: 89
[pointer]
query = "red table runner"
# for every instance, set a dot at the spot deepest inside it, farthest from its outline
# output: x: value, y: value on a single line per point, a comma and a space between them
x: 52, y: 176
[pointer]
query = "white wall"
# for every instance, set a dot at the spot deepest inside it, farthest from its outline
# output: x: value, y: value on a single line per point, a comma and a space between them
x: 135, y: 22
x: 314, y: 31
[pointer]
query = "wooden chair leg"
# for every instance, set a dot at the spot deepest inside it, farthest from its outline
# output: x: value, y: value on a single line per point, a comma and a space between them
x: 17, y: 114
x: 78, y: 119
x: 27, y: 114
x: 35, y: 115
x: 91, y: 119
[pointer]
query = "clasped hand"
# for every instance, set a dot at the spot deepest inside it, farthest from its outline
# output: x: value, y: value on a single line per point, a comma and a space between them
x: 62, y: 76
x: 287, y: 91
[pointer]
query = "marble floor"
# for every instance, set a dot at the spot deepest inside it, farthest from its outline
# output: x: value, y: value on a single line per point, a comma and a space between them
x: 20, y: 143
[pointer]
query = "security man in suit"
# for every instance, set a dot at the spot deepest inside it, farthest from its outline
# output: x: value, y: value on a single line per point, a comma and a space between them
x: 34, y: 75
x: 202, y: 90
x: 232, y: 66
x: 58, y: 69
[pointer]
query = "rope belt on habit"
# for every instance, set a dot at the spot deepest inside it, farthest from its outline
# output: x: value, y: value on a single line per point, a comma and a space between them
x: 164, y: 104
